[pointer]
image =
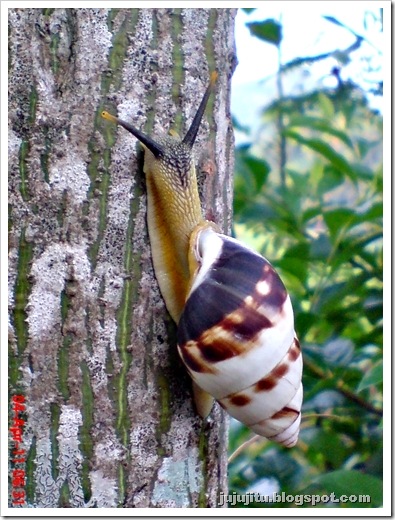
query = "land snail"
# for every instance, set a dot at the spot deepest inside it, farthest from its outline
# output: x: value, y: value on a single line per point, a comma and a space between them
x: 235, y: 320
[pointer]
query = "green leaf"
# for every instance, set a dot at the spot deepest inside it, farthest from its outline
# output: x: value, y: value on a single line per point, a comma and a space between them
x: 333, y: 444
x: 372, y: 378
x: 317, y: 123
x: 304, y: 321
x: 311, y: 213
x: 269, y: 31
x: 295, y: 261
x: 259, y: 168
x: 374, y: 212
x: 337, y: 219
x: 379, y: 180
x: 295, y: 266
x: 352, y: 483
x: 300, y: 250
x: 324, y: 149
x: 316, y: 175
x: 362, y: 171
x: 326, y: 105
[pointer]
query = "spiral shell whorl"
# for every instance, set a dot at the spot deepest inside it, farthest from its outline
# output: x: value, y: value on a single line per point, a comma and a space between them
x: 236, y: 336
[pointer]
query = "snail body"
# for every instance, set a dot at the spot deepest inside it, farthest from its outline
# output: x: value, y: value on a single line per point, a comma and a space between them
x: 235, y: 321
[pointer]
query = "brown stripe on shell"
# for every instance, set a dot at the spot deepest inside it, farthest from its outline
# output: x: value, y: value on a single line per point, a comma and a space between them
x: 269, y: 382
x: 294, y: 352
x: 240, y: 400
x: 246, y: 322
x: 230, y: 338
x: 219, y: 349
x: 193, y: 360
x: 215, y: 345
x: 265, y: 384
x: 285, y: 412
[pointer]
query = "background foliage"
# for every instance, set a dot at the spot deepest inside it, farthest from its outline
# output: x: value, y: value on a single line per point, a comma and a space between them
x: 308, y: 196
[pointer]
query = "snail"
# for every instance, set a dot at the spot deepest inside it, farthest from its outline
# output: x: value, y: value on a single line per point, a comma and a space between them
x: 235, y: 320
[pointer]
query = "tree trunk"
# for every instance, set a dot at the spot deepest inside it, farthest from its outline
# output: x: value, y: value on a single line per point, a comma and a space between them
x: 108, y: 419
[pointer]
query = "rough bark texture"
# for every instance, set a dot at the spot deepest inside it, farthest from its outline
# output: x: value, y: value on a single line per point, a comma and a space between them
x: 109, y: 419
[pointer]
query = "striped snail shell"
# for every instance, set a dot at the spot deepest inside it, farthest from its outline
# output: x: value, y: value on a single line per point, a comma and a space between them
x: 236, y: 337
x: 235, y: 321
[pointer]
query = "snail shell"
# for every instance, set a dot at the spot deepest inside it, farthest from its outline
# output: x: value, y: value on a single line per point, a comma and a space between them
x: 236, y: 337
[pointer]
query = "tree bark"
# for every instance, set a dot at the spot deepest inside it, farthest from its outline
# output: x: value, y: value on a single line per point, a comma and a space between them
x: 109, y: 419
